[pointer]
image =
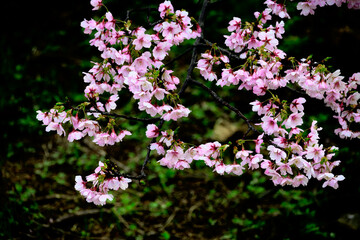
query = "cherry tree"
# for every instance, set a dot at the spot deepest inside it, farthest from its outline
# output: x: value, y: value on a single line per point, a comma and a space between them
x: 135, y: 61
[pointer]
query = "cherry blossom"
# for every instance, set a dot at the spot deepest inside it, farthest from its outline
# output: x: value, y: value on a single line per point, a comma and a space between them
x: 234, y: 25
x: 152, y: 131
x: 54, y: 126
x: 309, y: 6
x: 165, y: 8
x: 96, y: 4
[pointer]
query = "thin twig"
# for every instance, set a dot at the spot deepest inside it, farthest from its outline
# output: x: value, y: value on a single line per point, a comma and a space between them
x: 230, y: 54
x: 147, y: 159
x: 97, y: 110
x: 224, y: 103
x: 80, y: 213
x: 150, y: 120
x: 179, y: 56
x: 148, y: 9
x: 142, y: 174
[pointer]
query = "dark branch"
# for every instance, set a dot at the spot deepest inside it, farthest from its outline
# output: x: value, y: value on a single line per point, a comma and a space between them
x: 147, y: 9
x: 142, y: 174
x: 226, y: 104
x: 179, y: 56
x: 229, y: 54
x: 194, y: 52
x: 147, y: 159
x: 147, y: 120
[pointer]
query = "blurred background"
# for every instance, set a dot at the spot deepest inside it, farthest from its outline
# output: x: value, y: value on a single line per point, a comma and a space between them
x: 43, y: 54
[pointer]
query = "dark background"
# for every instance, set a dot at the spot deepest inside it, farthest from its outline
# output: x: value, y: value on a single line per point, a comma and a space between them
x: 43, y: 54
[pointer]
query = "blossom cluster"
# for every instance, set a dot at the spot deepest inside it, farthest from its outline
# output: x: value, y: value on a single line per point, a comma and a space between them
x: 249, y: 42
x: 292, y: 157
x: 81, y: 127
x: 309, y: 6
x: 264, y: 70
x: 101, y: 183
x: 341, y: 96
x: 132, y: 61
x: 295, y: 156
x: 143, y: 76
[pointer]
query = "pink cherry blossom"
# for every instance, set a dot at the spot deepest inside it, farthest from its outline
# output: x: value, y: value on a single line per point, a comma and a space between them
x: 53, y: 126
x: 75, y: 135
x: 110, y: 21
x: 254, y: 161
x: 295, y: 119
x: 110, y: 104
x: 152, y: 131
x: 88, y: 25
x: 181, y: 165
x: 243, y: 154
x: 165, y: 8
x: 80, y: 184
x: 234, y: 25
x: 176, y: 113
x: 169, y: 30
x: 284, y: 168
x: 124, y: 183
x: 89, y: 127
x: 269, y: 125
x: 277, y: 9
x: 268, y: 39
x: 150, y: 109
x: 300, y: 180
x: 158, y: 147
x: 315, y: 152
x: 235, y: 169
x: 142, y: 41
x: 258, y: 143
x: 45, y: 117
x: 161, y: 50
x: 331, y: 180
x: 101, y: 184
x: 220, y: 168
x: 276, y: 153
x: 122, y: 134
x: 297, y: 105
x: 159, y: 93
x: 306, y: 8
x: 96, y: 4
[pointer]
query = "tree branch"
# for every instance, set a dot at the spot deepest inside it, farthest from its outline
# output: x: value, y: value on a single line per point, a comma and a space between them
x: 179, y: 56
x: 226, y: 104
x: 146, y: 120
x: 147, y: 9
x: 230, y: 54
x: 142, y: 174
x: 194, y: 52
